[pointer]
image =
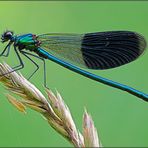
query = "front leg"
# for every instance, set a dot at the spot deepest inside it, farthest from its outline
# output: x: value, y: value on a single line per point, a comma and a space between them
x: 7, y: 48
x: 16, y: 68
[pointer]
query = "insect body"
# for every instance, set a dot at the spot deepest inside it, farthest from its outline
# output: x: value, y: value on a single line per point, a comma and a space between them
x: 101, y: 50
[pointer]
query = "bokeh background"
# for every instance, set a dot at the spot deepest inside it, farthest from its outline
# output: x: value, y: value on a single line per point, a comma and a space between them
x: 121, y: 119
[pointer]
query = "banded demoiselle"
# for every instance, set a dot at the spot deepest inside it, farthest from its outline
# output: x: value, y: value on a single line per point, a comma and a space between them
x: 100, y: 50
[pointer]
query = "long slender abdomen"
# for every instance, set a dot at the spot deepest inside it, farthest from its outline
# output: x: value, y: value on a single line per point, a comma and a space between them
x: 41, y: 53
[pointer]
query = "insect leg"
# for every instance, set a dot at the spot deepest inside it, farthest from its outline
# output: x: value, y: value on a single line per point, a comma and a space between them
x: 37, y: 66
x: 26, y: 54
x: 8, y: 51
x: 7, y: 47
x: 16, y: 68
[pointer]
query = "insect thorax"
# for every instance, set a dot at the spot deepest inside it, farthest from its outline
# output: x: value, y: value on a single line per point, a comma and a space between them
x: 27, y: 41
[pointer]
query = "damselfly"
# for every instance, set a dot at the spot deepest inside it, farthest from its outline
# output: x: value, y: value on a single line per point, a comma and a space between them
x: 100, y: 50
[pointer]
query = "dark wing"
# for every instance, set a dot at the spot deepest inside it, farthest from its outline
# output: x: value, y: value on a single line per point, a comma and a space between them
x: 101, y: 50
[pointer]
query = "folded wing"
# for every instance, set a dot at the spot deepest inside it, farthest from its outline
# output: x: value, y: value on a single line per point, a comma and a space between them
x: 100, y: 50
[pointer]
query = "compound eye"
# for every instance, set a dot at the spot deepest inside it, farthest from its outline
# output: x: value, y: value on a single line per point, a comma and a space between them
x: 8, y: 34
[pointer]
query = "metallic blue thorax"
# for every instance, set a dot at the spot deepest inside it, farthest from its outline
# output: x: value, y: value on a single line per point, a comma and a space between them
x: 27, y: 41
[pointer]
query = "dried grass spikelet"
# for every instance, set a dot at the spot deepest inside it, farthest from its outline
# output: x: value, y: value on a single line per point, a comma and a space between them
x: 89, y: 132
x: 55, y: 111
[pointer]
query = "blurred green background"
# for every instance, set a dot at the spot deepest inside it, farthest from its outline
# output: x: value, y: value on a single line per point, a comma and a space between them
x: 121, y: 119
